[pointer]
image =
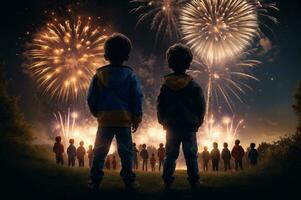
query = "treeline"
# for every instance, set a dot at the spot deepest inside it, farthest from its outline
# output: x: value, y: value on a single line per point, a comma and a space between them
x: 286, y: 152
x: 13, y: 129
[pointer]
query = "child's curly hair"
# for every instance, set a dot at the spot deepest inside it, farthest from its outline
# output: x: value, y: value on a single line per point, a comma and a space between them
x: 117, y: 48
x: 179, y: 57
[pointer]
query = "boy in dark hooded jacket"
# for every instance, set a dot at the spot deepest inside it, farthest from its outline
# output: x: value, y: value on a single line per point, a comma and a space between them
x: 181, y: 109
x: 115, y: 99
x: 71, y: 151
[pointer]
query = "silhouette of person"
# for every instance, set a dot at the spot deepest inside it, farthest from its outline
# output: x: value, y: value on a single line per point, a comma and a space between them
x: 80, y: 153
x: 58, y: 149
x: 90, y: 155
x: 238, y: 153
x: 161, y: 155
x: 205, y: 158
x: 71, y: 152
x: 153, y: 162
x: 144, y: 156
x: 253, y: 154
x: 226, y: 156
x: 215, y: 157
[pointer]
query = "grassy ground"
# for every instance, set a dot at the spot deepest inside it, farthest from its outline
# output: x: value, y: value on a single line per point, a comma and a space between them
x: 41, y: 179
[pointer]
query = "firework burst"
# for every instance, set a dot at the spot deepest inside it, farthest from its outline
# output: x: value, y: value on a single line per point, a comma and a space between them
x: 162, y: 13
x: 219, y: 30
x: 63, y: 56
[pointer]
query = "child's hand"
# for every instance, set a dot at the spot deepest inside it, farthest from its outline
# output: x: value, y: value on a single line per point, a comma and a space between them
x: 136, y: 124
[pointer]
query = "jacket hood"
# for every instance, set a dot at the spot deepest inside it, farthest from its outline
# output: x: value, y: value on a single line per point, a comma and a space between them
x: 113, y: 76
x: 177, y: 82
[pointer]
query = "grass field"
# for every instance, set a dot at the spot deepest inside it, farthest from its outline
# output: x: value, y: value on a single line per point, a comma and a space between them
x: 41, y: 179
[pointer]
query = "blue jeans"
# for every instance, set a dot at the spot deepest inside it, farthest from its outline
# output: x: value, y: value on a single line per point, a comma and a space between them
x: 103, y: 142
x: 174, y: 138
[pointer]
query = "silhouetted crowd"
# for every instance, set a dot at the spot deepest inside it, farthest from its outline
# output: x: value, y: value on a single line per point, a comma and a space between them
x: 156, y: 158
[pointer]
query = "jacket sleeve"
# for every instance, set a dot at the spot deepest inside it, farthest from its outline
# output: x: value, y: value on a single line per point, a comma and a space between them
x: 161, y: 105
x: 137, y: 98
x: 93, y: 96
x: 200, y: 105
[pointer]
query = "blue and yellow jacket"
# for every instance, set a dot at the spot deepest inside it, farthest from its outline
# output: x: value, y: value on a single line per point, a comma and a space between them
x: 115, y: 96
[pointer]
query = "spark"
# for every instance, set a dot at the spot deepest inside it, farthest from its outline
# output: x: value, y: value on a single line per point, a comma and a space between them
x: 64, y: 55
x: 163, y: 15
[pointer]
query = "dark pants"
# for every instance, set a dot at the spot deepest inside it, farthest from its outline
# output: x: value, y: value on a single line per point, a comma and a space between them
x: 215, y: 163
x: 205, y: 165
x: 90, y: 161
x: 103, y: 142
x: 59, y: 159
x: 81, y: 162
x: 135, y: 162
x: 174, y: 138
x: 227, y: 165
x: 144, y: 165
x: 238, y: 164
x: 71, y: 161
x: 161, y: 164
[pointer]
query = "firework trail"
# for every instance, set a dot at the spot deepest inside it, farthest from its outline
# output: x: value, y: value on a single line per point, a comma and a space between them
x: 63, y: 56
x: 228, y: 83
x: 163, y: 15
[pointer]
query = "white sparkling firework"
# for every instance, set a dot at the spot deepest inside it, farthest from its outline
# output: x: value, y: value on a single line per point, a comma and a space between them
x: 219, y: 30
x: 163, y: 15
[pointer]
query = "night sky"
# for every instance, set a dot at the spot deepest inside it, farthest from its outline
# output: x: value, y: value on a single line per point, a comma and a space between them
x: 267, y: 111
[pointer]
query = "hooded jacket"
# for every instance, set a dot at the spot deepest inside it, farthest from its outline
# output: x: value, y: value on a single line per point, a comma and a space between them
x: 181, y: 104
x: 115, y: 96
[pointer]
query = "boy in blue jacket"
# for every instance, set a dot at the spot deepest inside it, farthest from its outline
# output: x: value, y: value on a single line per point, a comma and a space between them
x: 115, y: 99
x: 181, y: 109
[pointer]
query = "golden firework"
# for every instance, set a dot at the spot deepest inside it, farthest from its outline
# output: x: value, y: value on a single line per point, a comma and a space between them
x: 219, y: 30
x: 63, y: 56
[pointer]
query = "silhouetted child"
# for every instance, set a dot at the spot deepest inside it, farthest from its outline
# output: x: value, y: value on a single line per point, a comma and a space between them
x: 238, y: 153
x: 253, y: 154
x: 226, y: 156
x: 205, y: 158
x: 144, y: 156
x: 80, y: 153
x: 90, y: 155
x: 114, y: 163
x: 181, y: 108
x: 215, y: 157
x: 135, y: 156
x: 115, y: 99
x: 153, y: 162
x: 161, y: 155
x: 108, y: 163
x: 71, y: 152
x: 58, y: 149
